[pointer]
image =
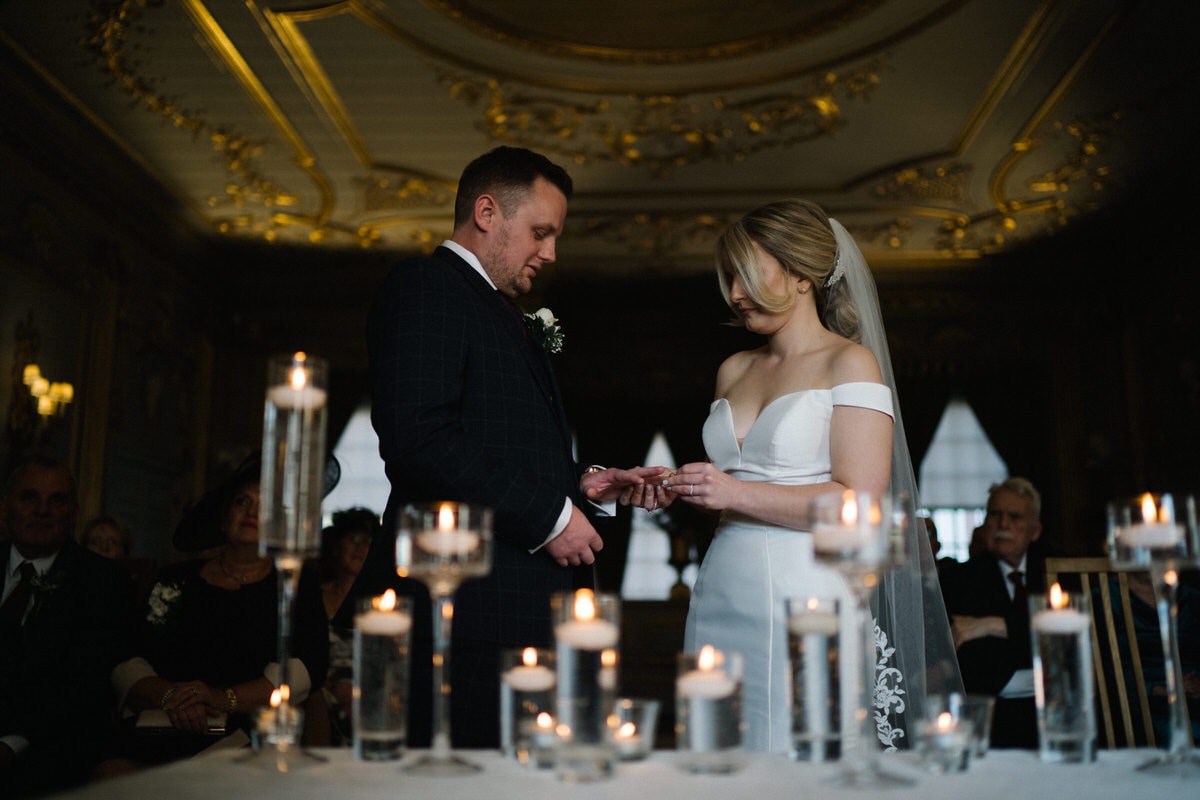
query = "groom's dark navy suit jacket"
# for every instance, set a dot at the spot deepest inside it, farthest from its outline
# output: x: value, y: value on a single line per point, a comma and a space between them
x: 467, y: 408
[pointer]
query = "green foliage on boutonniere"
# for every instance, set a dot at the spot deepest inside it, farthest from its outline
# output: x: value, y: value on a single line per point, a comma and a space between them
x: 543, y: 325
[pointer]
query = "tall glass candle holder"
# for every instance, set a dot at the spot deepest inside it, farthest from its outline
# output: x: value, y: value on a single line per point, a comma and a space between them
x: 814, y: 636
x: 1060, y: 630
x: 586, y: 633
x: 1160, y: 533
x: 853, y: 533
x: 708, y: 711
x: 382, y: 655
x: 292, y: 486
x: 443, y: 544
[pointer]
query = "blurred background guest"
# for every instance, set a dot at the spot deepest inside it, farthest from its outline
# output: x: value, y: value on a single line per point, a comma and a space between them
x: 207, y: 642
x: 344, y: 546
x: 63, y: 622
x: 107, y: 536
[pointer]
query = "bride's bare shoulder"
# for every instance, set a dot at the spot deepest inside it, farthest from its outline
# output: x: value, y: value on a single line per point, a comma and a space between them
x: 852, y: 363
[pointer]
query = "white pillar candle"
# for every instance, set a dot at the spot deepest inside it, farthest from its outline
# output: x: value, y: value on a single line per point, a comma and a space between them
x: 589, y: 634
x: 1063, y: 620
x: 534, y: 678
x: 383, y: 623
x: 1152, y: 534
x: 448, y: 543
x: 286, y: 397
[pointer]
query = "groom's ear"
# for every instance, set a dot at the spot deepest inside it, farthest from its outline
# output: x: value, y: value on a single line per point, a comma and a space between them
x: 487, y: 212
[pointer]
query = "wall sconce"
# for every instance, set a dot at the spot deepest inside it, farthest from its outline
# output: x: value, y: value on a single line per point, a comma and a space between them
x: 51, y: 397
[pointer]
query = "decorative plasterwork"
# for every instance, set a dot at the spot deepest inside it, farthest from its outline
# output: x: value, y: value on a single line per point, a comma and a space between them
x: 665, y: 131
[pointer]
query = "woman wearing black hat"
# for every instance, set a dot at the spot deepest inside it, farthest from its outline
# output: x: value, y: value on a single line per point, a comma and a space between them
x: 208, y: 640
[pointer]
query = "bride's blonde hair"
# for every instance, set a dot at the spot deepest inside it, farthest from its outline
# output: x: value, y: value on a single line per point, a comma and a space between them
x: 798, y: 235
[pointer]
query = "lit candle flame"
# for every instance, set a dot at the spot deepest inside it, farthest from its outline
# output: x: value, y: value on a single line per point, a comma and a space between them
x: 608, y: 658
x: 276, y: 698
x: 1058, y: 598
x: 707, y: 658
x: 446, y: 517
x: 299, y: 374
x: 626, y: 730
x: 1149, y: 512
x: 849, y: 508
x: 545, y: 721
x: 529, y: 656
x: 386, y: 601
x: 813, y: 603
x: 585, y: 605
x: 945, y: 721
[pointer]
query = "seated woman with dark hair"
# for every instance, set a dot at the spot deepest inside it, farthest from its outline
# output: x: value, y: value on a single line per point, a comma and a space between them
x: 208, y: 634
x: 344, y: 546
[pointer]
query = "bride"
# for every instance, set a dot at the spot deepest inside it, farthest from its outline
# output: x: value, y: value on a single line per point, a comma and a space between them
x: 810, y: 412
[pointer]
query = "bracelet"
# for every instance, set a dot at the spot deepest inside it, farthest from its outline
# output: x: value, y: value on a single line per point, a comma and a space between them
x: 166, y: 697
x: 233, y: 698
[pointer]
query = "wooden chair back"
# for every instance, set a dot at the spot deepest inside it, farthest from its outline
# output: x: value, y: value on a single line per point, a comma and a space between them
x: 1123, y: 704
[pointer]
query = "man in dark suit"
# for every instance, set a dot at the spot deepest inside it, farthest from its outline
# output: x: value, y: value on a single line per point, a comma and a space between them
x: 466, y: 407
x: 64, y: 615
x: 987, y: 598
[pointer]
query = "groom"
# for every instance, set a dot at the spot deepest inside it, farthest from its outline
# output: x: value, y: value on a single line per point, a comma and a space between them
x: 466, y: 407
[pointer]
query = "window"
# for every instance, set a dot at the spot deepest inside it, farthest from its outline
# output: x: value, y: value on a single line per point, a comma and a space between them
x: 363, y: 482
x: 648, y: 576
x: 955, y: 476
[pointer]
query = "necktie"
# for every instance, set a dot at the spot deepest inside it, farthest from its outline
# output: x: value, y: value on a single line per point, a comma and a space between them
x: 1020, y: 593
x: 13, y: 610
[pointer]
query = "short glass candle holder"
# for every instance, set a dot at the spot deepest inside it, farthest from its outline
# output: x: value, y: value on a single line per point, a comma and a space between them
x: 632, y: 725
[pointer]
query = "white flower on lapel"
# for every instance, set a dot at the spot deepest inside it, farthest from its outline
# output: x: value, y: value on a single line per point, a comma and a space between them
x: 545, y: 329
x: 163, y: 598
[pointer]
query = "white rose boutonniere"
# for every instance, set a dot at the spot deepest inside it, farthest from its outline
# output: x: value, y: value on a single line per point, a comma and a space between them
x: 164, y: 598
x: 544, y: 327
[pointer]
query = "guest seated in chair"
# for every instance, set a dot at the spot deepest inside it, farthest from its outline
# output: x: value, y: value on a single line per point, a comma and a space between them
x: 63, y: 621
x: 208, y: 642
x: 344, y: 546
x: 987, y: 599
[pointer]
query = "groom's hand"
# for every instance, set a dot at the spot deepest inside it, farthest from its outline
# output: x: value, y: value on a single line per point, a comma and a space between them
x: 611, y: 484
x: 577, y: 544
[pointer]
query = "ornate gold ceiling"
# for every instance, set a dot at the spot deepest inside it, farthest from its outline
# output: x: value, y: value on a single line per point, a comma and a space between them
x: 937, y: 130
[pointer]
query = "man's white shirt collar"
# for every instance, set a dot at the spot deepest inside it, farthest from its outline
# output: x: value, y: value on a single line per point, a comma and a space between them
x: 469, y: 257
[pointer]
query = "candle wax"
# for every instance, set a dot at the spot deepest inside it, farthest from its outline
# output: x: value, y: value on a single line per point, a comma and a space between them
x: 534, y: 678
x: 448, y: 543
x: 705, y: 684
x: 1151, y: 534
x: 284, y: 396
x: 594, y: 634
x: 833, y: 538
x: 383, y: 623
x: 1064, y: 620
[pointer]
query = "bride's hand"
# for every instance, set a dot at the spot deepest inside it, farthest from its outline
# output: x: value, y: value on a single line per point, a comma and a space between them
x: 702, y: 485
x: 650, y: 495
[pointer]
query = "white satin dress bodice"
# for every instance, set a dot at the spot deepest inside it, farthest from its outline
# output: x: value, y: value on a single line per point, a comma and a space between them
x: 751, y: 567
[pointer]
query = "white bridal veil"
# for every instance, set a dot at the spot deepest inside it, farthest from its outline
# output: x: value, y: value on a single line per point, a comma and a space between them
x: 914, y: 649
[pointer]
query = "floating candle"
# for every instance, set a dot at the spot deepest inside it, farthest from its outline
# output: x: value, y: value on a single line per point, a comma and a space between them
x: 529, y: 676
x: 708, y: 682
x: 383, y: 619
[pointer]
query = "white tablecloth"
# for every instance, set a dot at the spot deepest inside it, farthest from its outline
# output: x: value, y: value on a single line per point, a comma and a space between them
x: 1002, y: 774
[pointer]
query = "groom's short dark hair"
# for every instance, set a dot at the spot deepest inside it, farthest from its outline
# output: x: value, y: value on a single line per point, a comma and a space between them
x: 507, y: 173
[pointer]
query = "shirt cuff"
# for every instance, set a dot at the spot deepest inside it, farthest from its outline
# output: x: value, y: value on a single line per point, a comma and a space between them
x: 560, y: 525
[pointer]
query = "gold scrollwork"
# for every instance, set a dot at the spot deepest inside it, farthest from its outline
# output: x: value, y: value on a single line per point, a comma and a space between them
x: 108, y: 27
x: 654, y: 236
x: 944, y: 184
x: 665, y: 131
